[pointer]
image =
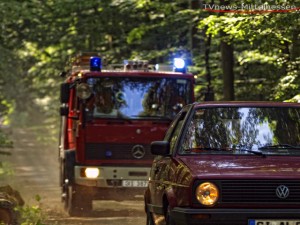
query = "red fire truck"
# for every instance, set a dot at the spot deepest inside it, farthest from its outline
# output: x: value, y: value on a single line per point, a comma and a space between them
x: 109, y: 117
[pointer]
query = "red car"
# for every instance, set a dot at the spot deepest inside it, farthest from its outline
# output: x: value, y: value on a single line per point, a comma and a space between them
x: 228, y: 163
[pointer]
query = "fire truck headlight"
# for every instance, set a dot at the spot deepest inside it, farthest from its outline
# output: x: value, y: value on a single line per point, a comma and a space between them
x: 207, y: 193
x: 83, y: 91
x: 91, y: 172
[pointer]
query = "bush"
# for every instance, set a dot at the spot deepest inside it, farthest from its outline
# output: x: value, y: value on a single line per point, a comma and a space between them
x: 31, y: 215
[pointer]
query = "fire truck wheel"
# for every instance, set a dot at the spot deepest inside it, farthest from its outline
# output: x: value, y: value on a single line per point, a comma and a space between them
x: 149, y: 218
x: 61, y: 172
x: 76, y: 203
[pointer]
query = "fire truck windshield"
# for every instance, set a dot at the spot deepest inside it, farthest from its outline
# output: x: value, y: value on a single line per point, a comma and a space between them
x: 137, y: 98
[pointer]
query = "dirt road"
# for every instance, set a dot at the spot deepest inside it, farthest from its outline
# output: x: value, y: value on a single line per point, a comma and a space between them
x: 35, y: 173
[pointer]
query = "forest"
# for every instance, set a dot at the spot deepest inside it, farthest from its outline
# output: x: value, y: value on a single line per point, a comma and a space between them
x: 236, y: 55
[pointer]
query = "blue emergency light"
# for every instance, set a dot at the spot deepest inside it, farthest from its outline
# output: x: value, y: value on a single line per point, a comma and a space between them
x: 95, y: 63
x: 179, y: 65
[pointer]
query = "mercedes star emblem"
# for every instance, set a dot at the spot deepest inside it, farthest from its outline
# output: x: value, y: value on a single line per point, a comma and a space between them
x: 282, y: 191
x: 138, y: 151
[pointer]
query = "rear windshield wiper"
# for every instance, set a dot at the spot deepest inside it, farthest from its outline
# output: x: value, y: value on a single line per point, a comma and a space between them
x: 279, y: 146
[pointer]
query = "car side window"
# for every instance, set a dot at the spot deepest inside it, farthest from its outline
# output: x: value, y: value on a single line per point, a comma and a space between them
x: 171, y: 128
x: 175, y: 135
x: 176, y: 131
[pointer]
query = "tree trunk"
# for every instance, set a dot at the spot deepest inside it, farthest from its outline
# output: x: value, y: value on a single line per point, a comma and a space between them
x: 227, y: 59
x: 295, y: 50
x: 227, y: 67
x: 209, y: 94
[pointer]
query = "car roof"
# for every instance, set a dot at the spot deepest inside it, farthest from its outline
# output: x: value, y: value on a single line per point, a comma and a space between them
x: 245, y: 104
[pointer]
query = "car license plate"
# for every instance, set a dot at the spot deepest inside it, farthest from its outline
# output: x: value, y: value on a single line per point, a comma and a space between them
x: 134, y: 183
x: 274, y: 222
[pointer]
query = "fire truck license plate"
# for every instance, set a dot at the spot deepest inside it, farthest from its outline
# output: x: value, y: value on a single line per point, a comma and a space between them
x: 274, y: 222
x: 134, y: 183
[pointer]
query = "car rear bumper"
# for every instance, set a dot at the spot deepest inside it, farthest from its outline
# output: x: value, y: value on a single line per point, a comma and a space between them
x: 230, y: 216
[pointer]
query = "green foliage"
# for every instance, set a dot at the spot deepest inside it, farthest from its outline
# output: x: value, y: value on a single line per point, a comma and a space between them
x: 5, y: 170
x: 266, y: 48
x: 289, y: 85
x: 5, y: 141
x: 38, y: 37
x: 6, y: 109
x: 31, y: 215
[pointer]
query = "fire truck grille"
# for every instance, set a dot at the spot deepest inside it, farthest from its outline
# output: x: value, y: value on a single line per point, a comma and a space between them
x: 95, y: 151
x: 263, y: 191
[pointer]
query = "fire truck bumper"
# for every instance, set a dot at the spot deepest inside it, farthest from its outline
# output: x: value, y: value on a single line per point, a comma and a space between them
x: 125, y: 182
x: 112, y: 177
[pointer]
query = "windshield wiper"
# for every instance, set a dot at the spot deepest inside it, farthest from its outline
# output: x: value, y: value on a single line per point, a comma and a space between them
x: 199, y: 149
x: 279, y: 146
x: 253, y: 152
x: 153, y: 117
x: 225, y: 150
x: 123, y: 117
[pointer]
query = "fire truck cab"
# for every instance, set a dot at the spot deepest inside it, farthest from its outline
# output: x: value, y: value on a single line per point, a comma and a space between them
x: 109, y: 117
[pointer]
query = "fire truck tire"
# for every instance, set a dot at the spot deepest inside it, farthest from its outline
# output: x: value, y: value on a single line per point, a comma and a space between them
x: 62, y: 181
x: 149, y: 218
x: 77, y: 203
x: 61, y: 172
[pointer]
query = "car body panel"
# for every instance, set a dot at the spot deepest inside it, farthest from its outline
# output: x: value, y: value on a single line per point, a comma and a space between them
x: 175, y: 176
x: 228, y: 167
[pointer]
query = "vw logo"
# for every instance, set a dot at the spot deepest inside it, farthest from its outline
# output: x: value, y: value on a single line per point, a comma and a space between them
x: 282, y: 191
x: 138, y: 151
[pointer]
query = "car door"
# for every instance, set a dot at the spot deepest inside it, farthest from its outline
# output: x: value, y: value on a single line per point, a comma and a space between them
x: 163, y: 168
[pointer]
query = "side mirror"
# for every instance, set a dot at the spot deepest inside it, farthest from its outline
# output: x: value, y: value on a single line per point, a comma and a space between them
x: 160, y: 148
x: 88, y: 116
x: 64, y: 110
x: 64, y: 92
x: 63, y: 74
